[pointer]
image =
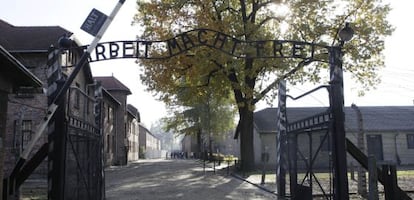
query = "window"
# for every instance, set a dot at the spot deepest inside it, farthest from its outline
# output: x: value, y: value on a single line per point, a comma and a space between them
x: 105, y: 112
x: 77, y: 97
x: 69, y: 58
x: 108, y: 142
x: 410, y: 141
x: 25, y: 92
x: 26, y: 132
x: 113, y: 144
x: 88, y: 103
x: 110, y: 115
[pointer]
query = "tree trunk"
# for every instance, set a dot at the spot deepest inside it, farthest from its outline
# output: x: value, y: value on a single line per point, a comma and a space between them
x: 246, y: 140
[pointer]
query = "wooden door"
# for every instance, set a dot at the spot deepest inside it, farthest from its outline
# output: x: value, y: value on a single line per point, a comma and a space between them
x: 374, y: 144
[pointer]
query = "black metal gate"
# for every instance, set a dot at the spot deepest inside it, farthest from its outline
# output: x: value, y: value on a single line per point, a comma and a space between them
x: 76, y: 143
x: 310, y: 163
x: 83, y: 161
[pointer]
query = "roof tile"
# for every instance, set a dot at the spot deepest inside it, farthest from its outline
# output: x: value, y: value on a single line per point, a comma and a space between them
x: 110, y: 83
x: 29, y: 38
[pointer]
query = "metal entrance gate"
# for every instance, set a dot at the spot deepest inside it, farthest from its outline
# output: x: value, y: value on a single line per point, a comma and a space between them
x: 310, y: 163
x: 76, y: 144
x: 84, y: 162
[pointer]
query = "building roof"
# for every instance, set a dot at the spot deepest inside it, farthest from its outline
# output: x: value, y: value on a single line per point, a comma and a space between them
x: 109, y: 96
x: 375, y: 118
x: 34, y: 39
x: 15, y: 72
x: 110, y: 83
x: 145, y: 130
x: 134, y: 112
x: 30, y: 38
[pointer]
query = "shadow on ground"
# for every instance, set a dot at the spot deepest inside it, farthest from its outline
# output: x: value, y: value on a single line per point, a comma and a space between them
x: 176, y: 179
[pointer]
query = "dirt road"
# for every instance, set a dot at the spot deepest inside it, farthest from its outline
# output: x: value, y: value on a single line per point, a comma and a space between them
x: 175, y: 179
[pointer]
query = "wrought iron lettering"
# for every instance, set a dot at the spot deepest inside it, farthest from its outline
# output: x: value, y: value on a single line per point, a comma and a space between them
x: 209, y: 38
x: 201, y: 39
x: 100, y: 51
x: 220, y: 40
x: 187, y: 40
x: 113, y: 50
x: 173, y: 45
x: 128, y: 49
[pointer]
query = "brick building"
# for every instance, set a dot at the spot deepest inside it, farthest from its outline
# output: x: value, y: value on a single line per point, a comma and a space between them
x: 29, y: 45
x: 32, y: 46
x: 149, y: 144
x: 94, y: 139
x: 13, y: 77
x: 133, y: 120
x: 119, y: 143
x: 109, y: 105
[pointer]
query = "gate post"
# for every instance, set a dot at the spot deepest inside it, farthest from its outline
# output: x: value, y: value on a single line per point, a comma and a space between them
x: 56, y: 130
x: 373, y: 178
x: 336, y: 97
x: 293, y: 165
x: 98, y: 122
x: 281, y: 142
x: 389, y: 173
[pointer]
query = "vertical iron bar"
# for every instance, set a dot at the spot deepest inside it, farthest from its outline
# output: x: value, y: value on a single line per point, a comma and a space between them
x: 99, y: 121
x: 281, y: 142
x: 372, y: 178
x: 310, y: 162
x: 338, y: 133
x: 57, y: 152
x: 293, y: 170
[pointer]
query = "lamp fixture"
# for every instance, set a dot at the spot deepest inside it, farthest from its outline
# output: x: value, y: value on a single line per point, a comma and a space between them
x: 346, y: 33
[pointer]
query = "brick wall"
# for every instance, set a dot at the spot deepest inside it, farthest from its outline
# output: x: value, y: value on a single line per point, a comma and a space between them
x: 22, y: 109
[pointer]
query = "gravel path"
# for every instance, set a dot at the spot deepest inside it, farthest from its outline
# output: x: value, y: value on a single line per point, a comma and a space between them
x: 175, y: 179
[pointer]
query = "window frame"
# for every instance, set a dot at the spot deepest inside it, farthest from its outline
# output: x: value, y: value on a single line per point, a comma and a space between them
x: 26, y: 132
x: 77, y: 97
x: 410, y: 140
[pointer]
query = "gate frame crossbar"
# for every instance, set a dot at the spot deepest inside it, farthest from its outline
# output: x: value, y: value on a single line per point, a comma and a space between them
x: 320, y: 121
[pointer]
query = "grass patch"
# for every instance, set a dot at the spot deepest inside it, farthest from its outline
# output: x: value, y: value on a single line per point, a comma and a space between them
x: 409, y: 173
x: 325, y: 175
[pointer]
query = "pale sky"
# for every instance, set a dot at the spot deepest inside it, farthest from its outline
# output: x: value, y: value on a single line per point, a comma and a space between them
x: 397, y: 87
